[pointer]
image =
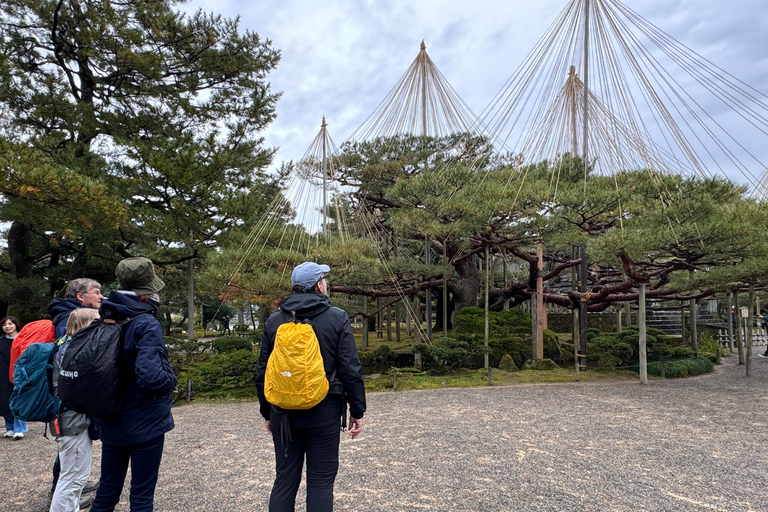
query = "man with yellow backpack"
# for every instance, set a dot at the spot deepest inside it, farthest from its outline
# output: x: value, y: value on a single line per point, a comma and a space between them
x: 308, y: 372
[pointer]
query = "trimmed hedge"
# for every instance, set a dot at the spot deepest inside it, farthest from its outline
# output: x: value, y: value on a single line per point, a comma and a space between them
x: 683, y: 367
x: 226, y: 344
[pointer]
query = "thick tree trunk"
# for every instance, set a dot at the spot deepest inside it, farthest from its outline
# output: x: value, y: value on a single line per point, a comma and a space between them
x: 467, y: 288
x: 21, y: 298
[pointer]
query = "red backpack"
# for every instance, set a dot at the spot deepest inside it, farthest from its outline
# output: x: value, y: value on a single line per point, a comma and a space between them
x: 41, y: 331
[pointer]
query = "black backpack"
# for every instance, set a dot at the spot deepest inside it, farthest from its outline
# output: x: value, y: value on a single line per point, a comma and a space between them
x: 93, y: 377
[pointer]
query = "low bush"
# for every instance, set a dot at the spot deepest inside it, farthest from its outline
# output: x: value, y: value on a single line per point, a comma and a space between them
x: 225, y: 371
x: 710, y: 347
x: 677, y: 368
x: 226, y: 344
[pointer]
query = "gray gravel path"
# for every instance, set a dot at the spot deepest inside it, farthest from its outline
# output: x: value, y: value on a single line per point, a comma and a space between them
x: 697, y: 444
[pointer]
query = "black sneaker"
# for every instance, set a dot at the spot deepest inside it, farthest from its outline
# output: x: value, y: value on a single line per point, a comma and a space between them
x: 763, y: 355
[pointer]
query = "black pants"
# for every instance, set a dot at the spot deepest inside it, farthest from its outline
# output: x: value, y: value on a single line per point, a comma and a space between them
x: 144, y: 460
x: 320, y: 447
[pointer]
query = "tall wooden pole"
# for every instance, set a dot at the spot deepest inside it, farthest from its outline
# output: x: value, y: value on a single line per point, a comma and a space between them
x: 397, y: 322
x: 428, y: 303
x: 585, y: 143
x: 445, y: 289
x: 487, y: 298
x: 191, y: 294
x: 417, y: 319
x: 365, y: 323
x: 583, y: 306
x: 739, y: 343
x: 325, y: 184
x: 504, y: 276
x: 541, y: 313
x: 750, y: 330
x: 729, y: 305
x: 643, y: 336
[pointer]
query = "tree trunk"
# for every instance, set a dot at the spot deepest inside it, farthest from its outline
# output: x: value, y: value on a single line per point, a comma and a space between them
x: 468, y: 287
x: 21, y: 298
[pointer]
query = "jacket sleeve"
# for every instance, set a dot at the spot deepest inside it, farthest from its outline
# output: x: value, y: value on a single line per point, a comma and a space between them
x: 350, y: 371
x: 153, y: 371
x: 267, y: 343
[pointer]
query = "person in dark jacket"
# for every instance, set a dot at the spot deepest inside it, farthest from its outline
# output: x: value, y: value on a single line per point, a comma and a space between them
x: 137, y: 435
x: 14, y: 427
x: 80, y: 293
x: 313, y: 434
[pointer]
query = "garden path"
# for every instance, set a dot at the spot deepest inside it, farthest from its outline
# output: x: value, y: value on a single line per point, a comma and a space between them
x: 696, y: 444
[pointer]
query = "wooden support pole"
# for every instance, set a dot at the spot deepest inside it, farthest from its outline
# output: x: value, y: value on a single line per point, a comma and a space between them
x: 729, y: 314
x: 583, y: 268
x: 739, y: 342
x: 541, y: 312
x: 643, y: 336
x: 365, y: 324
x: 750, y: 331
x: 694, y: 329
x: 487, y: 305
x: 445, y: 289
x: 428, y: 302
x: 397, y: 322
x: 417, y: 318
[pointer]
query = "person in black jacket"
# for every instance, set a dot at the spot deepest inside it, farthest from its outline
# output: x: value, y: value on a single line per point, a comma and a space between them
x: 313, y: 433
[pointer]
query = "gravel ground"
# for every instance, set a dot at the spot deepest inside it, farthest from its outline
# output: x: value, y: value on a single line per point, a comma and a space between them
x: 697, y: 444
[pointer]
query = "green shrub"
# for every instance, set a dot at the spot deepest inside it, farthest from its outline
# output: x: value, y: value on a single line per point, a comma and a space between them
x: 381, y: 356
x: 182, y: 352
x: 683, y: 367
x: 709, y: 346
x: 241, y: 327
x: 449, y: 354
x: 592, y: 333
x: 500, y: 323
x: 608, y: 351
x: 230, y: 370
x: 226, y: 344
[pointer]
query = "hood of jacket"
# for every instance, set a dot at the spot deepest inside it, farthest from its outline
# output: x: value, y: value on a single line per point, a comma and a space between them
x: 305, y: 304
x: 62, y: 307
x: 119, y: 306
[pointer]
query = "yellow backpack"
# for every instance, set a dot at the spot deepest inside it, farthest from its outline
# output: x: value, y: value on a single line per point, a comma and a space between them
x: 295, y: 376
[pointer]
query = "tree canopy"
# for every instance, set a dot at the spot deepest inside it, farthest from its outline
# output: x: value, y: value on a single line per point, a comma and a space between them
x: 127, y: 128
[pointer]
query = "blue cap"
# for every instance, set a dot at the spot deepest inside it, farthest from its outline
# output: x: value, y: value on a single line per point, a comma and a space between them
x: 308, y: 274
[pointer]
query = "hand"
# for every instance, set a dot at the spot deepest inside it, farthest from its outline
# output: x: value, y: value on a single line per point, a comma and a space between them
x: 268, y: 427
x: 355, y: 427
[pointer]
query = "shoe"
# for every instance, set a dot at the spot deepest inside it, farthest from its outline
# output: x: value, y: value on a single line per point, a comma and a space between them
x: 759, y: 355
x: 18, y: 436
x: 86, y: 501
x: 90, y: 486
x: 8, y: 434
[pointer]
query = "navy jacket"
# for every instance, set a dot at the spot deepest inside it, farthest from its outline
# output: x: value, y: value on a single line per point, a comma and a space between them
x: 146, y: 412
x: 59, y: 310
x: 337, y: 346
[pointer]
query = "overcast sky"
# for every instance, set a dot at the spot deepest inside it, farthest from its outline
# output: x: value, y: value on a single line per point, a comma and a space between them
x: 341, y: 57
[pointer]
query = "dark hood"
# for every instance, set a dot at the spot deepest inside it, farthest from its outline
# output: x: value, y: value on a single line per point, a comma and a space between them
x: 119, y: 306
x: 60, y: 308
x: 305, y: 304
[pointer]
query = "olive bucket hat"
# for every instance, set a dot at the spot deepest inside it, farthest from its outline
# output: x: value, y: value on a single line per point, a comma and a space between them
x: 138, y: 275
